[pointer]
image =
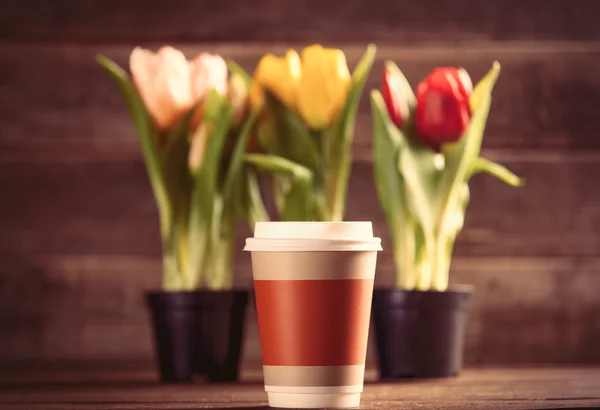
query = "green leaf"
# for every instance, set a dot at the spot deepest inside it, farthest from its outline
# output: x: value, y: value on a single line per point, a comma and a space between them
x: 444, y: 245
x: 252, y: 207
x: 294, y: 140
x: 218, y: 117
x: 179, y: 183
x: 148, y: 136
x: 298, y: 204
x: 417, y: 163
x: 460, y: 156
x: 389, y: 182
x: 484, y: 87
x: 388, y: 179
x: 237, y: 159
x: 338, y: 138
x: 219, y: 262
x: 411, y: 216
x: 344, y: 126
x: 174, y: 160
x: 234, y: 68
x: 497, y: 170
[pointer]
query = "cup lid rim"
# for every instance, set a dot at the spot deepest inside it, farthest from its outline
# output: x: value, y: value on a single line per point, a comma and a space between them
x: 311, y: 244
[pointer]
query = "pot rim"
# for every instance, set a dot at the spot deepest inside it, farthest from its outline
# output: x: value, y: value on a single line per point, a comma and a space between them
x: 452, y: 289
x: 456, y: 297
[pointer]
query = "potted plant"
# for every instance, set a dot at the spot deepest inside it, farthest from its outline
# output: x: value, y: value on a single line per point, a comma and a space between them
x: 308, y: 105
x: 193, y: 123
x: 425, y: 150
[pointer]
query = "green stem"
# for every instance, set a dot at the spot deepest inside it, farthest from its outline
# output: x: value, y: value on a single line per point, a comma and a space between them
x: 255, y: 211
x: 336, y: 184
x: 404, y: 257
x: 425, y: 266
x: 441, y: 263
x: 173, y: 278
x: 221, y: 263
x: 218, y: 268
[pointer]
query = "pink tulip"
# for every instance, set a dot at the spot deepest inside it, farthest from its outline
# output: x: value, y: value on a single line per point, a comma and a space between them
x: 163, y: 80
x: 208, y: 71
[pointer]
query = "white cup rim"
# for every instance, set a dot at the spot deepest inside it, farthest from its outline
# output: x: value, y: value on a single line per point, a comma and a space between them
x: 311, y: 245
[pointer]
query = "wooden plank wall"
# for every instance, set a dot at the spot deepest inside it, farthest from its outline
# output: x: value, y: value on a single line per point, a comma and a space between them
x: 78, y: 228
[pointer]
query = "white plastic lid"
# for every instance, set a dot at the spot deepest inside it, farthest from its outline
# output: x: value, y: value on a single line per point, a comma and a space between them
x: 313, y: 236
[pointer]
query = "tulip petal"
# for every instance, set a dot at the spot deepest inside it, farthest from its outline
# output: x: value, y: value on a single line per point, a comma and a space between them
x: 174, y: 70
x: 324, y: 85
x: 279, y: 75
x: 397, y: 94
x: 208, y: 72
x: 465, y: 80
x: 143, y: 65
x: 162, y: 79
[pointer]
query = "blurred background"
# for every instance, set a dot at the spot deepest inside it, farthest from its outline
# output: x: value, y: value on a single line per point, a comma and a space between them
x: 79, y: 239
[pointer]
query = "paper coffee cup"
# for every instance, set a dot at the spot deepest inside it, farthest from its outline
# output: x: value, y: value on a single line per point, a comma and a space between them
x: 313, y: 283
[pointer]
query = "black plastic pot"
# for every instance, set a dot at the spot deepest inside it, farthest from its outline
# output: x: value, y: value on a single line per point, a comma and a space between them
x: 219, y: 343
x: 176, y: 325
x: 420, y: 334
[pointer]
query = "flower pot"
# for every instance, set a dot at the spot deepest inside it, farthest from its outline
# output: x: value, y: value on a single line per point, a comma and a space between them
x: 176, y: 325
x: 420, y: 334
x: 222, y: 318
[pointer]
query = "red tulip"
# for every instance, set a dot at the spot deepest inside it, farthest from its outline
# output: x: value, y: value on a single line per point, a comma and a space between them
x: 395, y: 100
x: 443, y: 111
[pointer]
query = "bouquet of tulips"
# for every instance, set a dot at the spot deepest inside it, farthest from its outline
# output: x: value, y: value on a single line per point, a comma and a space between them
x: 308, y: 105
x: 193, y: 122
x: 426, y: 148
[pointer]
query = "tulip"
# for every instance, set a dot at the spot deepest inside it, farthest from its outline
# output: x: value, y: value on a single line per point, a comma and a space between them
x: 279, y: 75
x: 164, y: 83
x: 324, y: 85
x: 208, y: 71
x: 443, y: 111
x: 395, y: 100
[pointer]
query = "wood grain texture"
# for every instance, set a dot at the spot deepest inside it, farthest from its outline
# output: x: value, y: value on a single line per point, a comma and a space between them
x: 271, y: 20
x: 474, y: 389
x: 524, y: 310
x: 57, y: 101
x: 79, y: 242
x: 106, y: 207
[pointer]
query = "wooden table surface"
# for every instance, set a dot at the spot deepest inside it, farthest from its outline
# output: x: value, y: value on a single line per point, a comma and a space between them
x: 85, y: 389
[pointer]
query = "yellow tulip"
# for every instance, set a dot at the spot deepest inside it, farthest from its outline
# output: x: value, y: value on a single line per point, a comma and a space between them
x: 279, y: 75
x: 323, y: 87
